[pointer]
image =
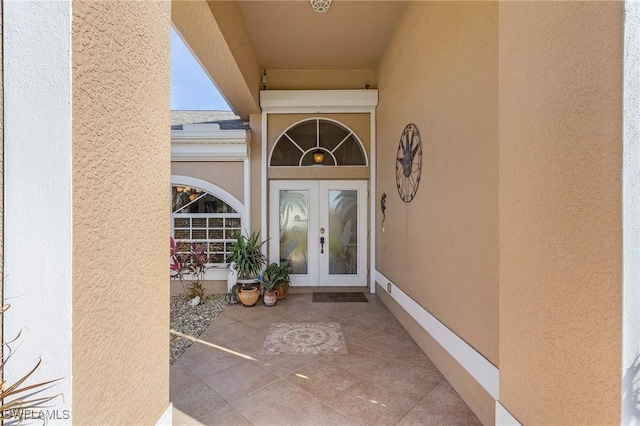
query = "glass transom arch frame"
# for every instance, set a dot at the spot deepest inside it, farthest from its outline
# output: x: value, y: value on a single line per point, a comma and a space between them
x: 199, y: 216
x: 296, y: 146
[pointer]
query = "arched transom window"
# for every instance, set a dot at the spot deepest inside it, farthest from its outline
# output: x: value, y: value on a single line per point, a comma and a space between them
x: 200, y: 217
x: 318, y: 142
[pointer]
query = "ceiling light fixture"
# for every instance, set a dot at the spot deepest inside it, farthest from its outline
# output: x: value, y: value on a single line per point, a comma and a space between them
x: 320, y: 6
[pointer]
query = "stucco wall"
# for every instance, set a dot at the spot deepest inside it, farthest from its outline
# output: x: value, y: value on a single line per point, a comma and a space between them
x: 1, y: 183
x: 631, y: 219
x: 121, y: 171
x: 228, y: 175
x: 255, y: 163
x: 560, y: 211
x: 440, y: 72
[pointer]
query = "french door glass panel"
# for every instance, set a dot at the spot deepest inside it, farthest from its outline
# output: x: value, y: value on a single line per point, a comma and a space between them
x: 320, y: 228
x: 343, y: 232
x: 294, y: 229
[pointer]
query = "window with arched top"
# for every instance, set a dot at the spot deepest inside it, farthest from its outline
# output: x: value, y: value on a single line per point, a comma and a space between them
x: 198, y: 216
x: 318, y: 142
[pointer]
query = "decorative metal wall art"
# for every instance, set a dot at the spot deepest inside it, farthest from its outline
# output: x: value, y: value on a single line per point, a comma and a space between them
x: 409, y: 163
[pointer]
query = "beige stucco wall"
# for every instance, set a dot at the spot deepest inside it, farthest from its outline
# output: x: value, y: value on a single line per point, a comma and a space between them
x: 255, y: 165
x: 121, y: 169
x: 440, y: 72
x: 560, y: 211
x: 319, y: 79
x: 228, y: 175
x: 358, y: 123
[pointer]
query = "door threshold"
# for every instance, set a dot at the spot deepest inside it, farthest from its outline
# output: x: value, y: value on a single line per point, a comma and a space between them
x: 313, y: 289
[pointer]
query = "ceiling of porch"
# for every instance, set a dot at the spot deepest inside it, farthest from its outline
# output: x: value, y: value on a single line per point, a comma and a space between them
x: 290, y: 35
x: 299, y: 48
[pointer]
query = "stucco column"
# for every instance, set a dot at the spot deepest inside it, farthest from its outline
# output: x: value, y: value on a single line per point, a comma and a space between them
x: 87, y: 136
x: 121, y: 179
x: 561, y: 211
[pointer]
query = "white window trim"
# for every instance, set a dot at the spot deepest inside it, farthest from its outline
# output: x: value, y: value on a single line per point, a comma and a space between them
x: 216, y: 272
x: 206, y: 142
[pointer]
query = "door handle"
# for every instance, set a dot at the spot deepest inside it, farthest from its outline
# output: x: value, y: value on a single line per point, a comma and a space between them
x: 321, y: 245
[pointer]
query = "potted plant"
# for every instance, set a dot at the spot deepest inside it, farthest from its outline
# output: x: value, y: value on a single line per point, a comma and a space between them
x: 247, y: 254
x: 285, y: 283
x: 271, y: 278
x: 282, y: 271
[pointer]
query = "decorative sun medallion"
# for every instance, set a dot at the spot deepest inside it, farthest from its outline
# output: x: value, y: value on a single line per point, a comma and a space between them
x: 305, y: 338
x: 409, y: 163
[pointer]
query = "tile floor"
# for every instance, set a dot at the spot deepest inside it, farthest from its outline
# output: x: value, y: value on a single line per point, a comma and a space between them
x: 226, y: 378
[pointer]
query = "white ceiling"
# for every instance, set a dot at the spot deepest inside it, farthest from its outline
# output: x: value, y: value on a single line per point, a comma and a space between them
x: 290, y: 35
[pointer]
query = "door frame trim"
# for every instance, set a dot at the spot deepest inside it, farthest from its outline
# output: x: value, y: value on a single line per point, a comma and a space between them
x: 318, y: 272
x: 323, y: 102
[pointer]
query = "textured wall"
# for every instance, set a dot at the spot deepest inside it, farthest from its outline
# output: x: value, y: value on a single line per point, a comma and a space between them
x: 228, y: 175
x: 255, y: 163
x: 121, y: 162
x: 440, y: 72
x: 1, y: 186
x: 560, y: 211
x: 631, y: 220
x: 37, y: 159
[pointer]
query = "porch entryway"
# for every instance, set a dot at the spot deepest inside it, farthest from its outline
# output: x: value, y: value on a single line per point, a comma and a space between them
x: 227, y: 377
x: 320, y: 228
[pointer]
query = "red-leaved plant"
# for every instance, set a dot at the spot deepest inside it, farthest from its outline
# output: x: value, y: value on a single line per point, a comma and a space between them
x: 193, y: 263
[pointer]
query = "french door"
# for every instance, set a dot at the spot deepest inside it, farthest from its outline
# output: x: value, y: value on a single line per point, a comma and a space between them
x: 320, y: 228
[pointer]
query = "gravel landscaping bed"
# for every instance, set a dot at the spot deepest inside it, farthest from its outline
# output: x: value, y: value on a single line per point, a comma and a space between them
x: 192, y: 321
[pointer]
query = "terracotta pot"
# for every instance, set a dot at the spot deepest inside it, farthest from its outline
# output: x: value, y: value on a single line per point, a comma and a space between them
x: 270, y: 298
x: 283, y: 291
x: 248, y: 297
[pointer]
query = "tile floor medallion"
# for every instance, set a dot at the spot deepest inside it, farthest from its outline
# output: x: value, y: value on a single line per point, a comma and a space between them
x: 305, y: 338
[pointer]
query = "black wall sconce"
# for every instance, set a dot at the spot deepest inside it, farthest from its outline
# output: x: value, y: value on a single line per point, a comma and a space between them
x: 383, y: 207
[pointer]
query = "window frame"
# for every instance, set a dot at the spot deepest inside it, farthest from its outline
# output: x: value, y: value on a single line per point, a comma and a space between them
x: 309, y: 151
x: 218, y: 270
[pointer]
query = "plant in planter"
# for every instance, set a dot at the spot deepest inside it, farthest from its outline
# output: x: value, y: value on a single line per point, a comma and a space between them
x: 285, y: 282
x: 280, y: 275
x: 247, y: 254
x: 192, y: 263
x: 271, y: 278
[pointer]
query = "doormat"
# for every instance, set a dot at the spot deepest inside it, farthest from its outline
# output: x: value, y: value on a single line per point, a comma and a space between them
x: 339, y: 297
x: 304, y: 338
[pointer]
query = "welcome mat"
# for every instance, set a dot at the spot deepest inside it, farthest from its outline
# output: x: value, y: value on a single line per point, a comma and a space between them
x: 304, y: 338
x: 339, y: 297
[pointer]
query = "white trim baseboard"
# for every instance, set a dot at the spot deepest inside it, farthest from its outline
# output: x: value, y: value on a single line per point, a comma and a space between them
x: 483, y: 371
x: 167, y: 417
x: 503, y: 417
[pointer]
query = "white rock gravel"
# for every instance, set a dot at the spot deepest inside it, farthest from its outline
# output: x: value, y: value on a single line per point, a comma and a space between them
x: 192, y: 321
